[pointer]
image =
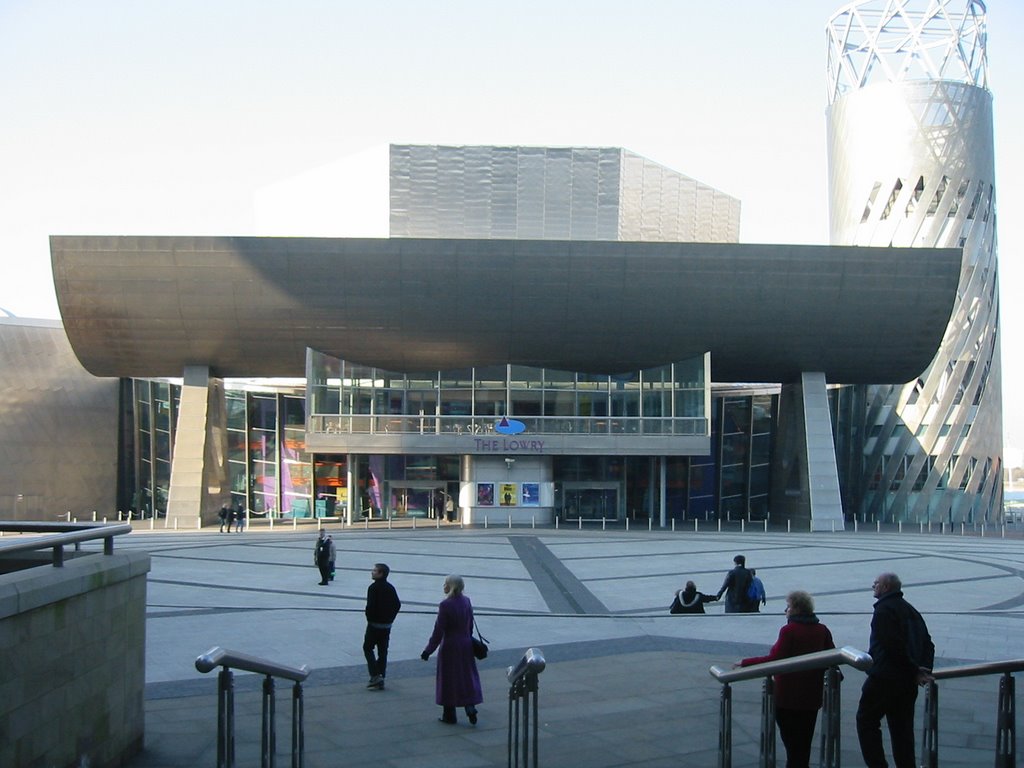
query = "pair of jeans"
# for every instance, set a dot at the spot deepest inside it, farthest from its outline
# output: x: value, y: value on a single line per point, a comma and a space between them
x: 376, y: 638
x: 894, y: 700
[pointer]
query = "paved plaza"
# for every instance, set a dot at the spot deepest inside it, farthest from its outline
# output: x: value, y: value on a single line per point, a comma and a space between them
x: 626, y: 683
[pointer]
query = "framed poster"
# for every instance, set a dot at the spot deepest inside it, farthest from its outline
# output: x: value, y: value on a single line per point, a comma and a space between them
x: 509, y: 495
x: 485, y: 494
x: 531, y: 494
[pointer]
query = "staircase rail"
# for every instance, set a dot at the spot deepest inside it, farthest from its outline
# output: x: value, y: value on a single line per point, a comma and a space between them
x: 522, y: 696
x: 60, y: 536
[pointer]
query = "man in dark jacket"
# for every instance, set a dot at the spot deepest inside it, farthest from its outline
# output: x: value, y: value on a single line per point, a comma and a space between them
x: 902, y: 654
x: 735, y: 586
x: 382, y: 606
x: 323, y: 556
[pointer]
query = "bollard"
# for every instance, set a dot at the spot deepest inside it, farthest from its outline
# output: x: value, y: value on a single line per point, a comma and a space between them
x: 766, y: 525
x: 485, y: 522
x: 650, y: 522
x: 366, y: 523
x: 414, y: 523
x: 151, y: 521
x: 627, y: 524
x: 878, y: 526
x: 556, y: 522
x: 199, y: 523
x: 533, y: 521
x: 580, y: 521
x: 743, y: 525
x: 854, y: 523
x: 389, y: 521
x: 900, y: 528
x: 295, y: 523
x: 719, y: 525
x: 270, y: 517
x: 94, y: 515
x: 510, y: 522
x: 602, y: 524
x: 437, y: 520
x: 175, y: 523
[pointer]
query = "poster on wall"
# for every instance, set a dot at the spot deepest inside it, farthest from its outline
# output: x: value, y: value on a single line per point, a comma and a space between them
x: 508, y: 495
x: 485, y: 494
x: 531, y: 494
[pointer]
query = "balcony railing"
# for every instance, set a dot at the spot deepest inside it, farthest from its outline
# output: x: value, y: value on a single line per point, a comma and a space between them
x: 486, y: 425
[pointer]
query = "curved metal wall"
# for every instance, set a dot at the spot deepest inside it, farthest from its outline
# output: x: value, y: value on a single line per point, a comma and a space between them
x: 911, y: 165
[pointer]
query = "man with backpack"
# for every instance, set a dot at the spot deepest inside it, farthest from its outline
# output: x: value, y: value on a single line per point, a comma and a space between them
x: 735, y: 587
x: 755, y: 593
x: 902, y: 654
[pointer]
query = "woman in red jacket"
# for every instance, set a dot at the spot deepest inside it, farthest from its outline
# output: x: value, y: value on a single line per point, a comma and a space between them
x: 797, y: 694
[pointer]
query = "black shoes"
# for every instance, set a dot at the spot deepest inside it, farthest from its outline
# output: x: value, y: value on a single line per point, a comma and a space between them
x: 376, y: 683
x: 471, y: 713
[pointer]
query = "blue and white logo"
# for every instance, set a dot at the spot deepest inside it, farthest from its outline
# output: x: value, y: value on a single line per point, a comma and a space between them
x: 507, y: 426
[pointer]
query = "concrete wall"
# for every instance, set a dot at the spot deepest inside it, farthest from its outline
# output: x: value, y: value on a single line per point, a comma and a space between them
x: 73, y: 641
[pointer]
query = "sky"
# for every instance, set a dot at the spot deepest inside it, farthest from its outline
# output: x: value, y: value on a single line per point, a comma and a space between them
x: 258, y: 117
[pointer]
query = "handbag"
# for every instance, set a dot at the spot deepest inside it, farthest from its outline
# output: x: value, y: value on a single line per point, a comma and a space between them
x: 479, y: 643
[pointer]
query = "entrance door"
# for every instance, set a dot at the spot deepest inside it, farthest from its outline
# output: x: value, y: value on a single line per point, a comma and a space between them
x: 591, y: 501
x: 416, y: 499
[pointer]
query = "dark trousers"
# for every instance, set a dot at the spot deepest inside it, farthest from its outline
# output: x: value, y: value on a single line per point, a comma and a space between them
x: 376, y: 638
x: 796, y: 727
x: 325, y: 571
x: 895, y: 702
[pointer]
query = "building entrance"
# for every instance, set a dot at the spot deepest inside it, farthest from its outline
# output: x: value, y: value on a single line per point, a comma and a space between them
x: 416, y: 499
x: 591, y: 501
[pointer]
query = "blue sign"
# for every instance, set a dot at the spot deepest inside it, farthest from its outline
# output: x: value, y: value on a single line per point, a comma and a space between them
x: 507, y: 426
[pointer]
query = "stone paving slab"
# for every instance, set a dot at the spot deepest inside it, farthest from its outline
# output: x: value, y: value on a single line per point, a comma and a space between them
x: 626, y: 683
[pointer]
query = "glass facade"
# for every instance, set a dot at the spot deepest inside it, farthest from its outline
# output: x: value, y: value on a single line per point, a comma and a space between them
x: 347, y: 398
x: 272, y: 472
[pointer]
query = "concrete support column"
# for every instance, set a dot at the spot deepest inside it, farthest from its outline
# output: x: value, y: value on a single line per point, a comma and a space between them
x: 199, y: 478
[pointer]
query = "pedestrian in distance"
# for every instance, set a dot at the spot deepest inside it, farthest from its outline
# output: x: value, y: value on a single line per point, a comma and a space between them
x: 689, y: 600
x: 223, y: 516
x: 902, y: 654
x: 797, y: 694
x: 756, y: 593
x: 323, y: 556
x: 457, y: 683
x: 735, y: 587
x: 232, y: 516
x: 239, y: 519
x: 382, y: 606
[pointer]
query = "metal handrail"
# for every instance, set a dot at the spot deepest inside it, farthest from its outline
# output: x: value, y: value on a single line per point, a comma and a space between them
x: 227, y: 660
x: 522, y: 693
x: 829, y: 660
x: 66, y: 533
x: 224, y: 657
x: 834, y: 657
x: 1006, y: 712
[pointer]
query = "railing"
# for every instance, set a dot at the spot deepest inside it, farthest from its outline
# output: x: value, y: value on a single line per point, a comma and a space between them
x: 64, y: 534
x: 830, y: 730
x: 484, y: 426
x: 1006, y: 717
x: 228, y: 660
x: 522, y: 694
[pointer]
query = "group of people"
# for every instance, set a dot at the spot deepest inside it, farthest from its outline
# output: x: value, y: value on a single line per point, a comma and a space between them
x: 743, y: 590
x: 900, y: 647
x: 231, y: 518
x: 457, y: 682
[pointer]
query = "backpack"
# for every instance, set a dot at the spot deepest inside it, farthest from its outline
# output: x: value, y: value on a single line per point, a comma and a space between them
x: 753, y: 593
x: 920, y: 647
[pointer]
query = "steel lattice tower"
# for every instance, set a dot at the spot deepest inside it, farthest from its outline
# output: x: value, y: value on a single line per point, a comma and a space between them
x: 911, y: 164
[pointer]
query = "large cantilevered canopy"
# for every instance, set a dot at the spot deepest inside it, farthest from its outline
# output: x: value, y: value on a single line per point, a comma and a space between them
x: 150, y: 306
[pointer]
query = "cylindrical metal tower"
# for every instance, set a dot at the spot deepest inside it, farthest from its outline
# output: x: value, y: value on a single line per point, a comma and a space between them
x: 911, y: 164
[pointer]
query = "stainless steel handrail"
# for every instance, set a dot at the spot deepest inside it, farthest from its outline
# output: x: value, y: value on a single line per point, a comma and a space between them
x: 522, y: 693
x: 829, y: 661
x: 1006, y: 712
x: 65, y: 534
x: 227, y: 660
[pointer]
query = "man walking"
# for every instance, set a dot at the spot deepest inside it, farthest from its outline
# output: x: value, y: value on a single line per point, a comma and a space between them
x: 382, y: 606
x: 902, y: 654
x: 323, y: 556
x: 735, y: 586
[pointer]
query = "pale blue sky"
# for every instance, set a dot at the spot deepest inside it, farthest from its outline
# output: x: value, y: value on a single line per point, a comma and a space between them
x: 272, y: 118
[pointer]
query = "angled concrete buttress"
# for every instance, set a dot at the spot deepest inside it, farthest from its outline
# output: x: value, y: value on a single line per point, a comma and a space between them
x: 805, y: 481
x: 199, y: 478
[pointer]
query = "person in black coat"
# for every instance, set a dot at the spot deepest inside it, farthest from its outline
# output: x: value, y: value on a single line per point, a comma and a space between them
x: 735, y: 586
x: 689, y: 600
x: 902, y: 654
x: 382, y: 606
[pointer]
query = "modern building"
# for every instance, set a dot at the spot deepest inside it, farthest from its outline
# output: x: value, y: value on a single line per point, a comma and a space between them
x: 573, y: 332
x: 911, y: 165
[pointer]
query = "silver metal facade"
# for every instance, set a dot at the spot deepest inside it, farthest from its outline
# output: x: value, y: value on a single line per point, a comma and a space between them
x: 549, y: 193
x: 911, y: 165
x: 58, y: 427
x: 151, y: 306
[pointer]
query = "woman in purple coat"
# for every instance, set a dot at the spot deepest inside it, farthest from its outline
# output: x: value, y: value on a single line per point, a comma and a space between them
x: 458, y: 684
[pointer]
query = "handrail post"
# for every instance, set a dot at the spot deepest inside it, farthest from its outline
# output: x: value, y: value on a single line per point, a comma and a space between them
x: 523, y: 686
x: 1006, y: 723
x: 725, y: 727
x: 930, y: 737
x: 268, y: 743
x: 225, y: 719
x: 767, y: 746
x: 830, y: 719
x: 298, y: 726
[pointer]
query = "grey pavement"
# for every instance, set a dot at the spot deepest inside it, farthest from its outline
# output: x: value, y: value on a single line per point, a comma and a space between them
x: 626, y: 683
